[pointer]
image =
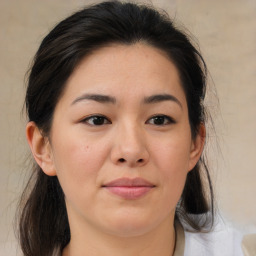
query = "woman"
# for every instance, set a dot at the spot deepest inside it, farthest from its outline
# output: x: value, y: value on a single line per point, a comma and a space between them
x: 117, y: 130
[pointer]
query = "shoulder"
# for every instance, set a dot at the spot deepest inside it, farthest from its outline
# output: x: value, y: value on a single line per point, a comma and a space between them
x: 223, y: 240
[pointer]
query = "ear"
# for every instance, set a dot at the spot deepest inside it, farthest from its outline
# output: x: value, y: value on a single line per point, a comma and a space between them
x: 40, y: 148
x: 197, y: 146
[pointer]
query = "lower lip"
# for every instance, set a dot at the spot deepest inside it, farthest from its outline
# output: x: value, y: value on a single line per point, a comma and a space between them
x: 129, y: 192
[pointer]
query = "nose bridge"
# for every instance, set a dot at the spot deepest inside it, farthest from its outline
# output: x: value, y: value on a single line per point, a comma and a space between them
x: 130, y: 145
x: 132, y: 136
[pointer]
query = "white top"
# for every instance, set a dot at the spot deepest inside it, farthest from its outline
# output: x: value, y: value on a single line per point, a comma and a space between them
x: 223, y: 240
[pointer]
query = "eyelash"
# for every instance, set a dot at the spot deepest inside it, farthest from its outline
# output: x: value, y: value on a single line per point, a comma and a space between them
x: 167, y: 120
x: 99, y: 117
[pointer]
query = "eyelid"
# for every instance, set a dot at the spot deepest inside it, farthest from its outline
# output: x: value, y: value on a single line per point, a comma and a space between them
x: 85, y: 120
x: 170, y: 119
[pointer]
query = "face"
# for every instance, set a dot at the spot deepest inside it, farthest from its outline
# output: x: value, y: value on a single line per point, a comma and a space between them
x: 120, y: 142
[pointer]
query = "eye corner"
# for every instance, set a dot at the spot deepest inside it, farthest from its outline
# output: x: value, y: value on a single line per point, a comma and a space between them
x: 96, y: 120
x: 160, y: 120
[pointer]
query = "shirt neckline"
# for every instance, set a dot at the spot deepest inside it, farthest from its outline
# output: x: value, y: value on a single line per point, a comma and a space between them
x: 180, y: 239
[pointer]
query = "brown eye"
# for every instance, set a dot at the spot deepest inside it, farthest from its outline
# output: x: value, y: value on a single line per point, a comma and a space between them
x: 96, y: 120
x: 160, y: 120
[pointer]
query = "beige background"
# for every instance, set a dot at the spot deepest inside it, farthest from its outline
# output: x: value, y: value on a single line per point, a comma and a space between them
x: 226, y: 32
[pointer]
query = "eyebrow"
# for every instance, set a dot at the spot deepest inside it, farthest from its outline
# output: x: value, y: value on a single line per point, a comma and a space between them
x: 109, y: 99
x: 95, y: 97
x: 160, y: 98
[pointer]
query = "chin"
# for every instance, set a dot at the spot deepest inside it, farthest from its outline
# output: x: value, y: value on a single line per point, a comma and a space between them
x: 130, y: 226
x: 129, y: 231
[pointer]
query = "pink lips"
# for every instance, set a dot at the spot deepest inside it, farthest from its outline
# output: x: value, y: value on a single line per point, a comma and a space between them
x: 129, y: 188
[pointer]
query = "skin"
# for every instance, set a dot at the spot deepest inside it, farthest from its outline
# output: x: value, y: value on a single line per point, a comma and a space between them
x: 129, y: 142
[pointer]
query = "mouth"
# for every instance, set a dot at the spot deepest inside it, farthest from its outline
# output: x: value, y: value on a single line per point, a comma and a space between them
x: 129, y: 189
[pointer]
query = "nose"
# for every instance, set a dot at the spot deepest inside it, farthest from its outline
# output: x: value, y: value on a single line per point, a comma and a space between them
x: 129, y: 147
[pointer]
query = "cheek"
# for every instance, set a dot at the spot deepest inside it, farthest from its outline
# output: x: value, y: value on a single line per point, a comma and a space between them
x: 78, y: 164
x: 174, y: 168
x: 172, y: 154
x: 172, y: 158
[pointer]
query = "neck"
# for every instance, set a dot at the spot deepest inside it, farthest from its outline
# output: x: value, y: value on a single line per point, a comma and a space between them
x: 90, y: 242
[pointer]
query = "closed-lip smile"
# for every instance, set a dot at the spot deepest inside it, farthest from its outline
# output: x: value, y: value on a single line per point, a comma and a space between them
x: 128, y: 188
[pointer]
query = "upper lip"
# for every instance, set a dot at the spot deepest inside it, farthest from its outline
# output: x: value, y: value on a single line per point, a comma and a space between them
x: 128, y: 182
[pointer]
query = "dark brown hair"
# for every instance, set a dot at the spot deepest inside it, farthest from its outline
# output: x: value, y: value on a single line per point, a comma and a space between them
x: 43, y: 221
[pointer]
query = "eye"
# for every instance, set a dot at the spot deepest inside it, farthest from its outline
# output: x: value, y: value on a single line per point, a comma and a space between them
x: 160, y: 120
x: 96, y: 120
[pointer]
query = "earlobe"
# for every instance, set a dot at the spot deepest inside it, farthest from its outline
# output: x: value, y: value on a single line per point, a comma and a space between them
x: 197, y: 147
x: 40, y: 148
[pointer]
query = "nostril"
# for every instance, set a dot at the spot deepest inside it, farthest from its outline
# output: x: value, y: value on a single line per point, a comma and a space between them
x: 122, y: 160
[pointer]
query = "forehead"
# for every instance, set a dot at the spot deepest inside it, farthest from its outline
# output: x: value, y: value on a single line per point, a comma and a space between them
x: 136, y: 70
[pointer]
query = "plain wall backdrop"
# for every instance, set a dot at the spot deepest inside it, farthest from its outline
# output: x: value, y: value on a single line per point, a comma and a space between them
x: 226, y: 32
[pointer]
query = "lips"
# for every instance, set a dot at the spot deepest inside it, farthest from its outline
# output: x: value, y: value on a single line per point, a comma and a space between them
x: 127, y: 188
